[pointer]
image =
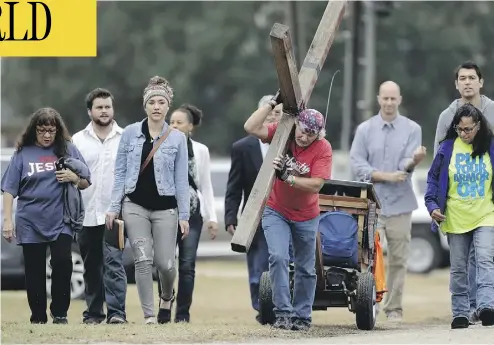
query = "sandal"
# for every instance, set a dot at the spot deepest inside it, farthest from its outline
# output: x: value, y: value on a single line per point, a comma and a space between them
x: 164, y: 314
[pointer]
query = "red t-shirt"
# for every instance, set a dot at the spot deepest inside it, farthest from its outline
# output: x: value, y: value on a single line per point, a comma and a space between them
x: 293, y: 203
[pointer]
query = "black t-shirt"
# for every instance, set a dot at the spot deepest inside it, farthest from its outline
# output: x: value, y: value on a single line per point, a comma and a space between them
x: 146, y: 192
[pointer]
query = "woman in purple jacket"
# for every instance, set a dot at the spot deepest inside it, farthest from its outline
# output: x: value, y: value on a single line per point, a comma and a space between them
x: 460, y: 200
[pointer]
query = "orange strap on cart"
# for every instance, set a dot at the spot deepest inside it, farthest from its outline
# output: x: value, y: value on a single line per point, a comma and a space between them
x: 379, y: 270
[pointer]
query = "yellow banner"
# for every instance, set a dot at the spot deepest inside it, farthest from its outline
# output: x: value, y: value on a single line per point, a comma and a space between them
x: 55, y: 28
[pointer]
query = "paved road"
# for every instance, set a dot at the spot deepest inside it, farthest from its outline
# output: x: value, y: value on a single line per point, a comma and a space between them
x: 414, y: 335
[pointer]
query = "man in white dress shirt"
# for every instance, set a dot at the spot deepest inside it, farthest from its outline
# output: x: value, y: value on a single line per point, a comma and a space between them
x: 247, y: 155
x: 105, y: 277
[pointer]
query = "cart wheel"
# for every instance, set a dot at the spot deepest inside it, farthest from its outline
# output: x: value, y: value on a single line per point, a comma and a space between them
x: 266, y: 305
x: 365, y: 310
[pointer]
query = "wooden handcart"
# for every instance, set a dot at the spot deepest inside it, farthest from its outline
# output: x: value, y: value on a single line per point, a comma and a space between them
x: 354, y: 287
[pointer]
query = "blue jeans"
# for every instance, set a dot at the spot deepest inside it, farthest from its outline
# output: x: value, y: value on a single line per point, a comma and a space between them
x: 257, y: 263
x: 115, y: 281
x: 187, y: 254
x: 472, y: 277
x: 459, y: 244
x: 104, y: 275
x: 278, y: 230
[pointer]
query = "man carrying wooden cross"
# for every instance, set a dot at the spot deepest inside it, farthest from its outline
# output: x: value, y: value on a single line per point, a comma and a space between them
x: 293, y: 209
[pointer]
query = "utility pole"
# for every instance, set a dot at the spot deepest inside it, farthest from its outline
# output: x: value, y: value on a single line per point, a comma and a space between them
x: 369, y: 62
x: 346, y: 120
x: 295, y: 21
x: 300, y: 31
x: 351, y: 94
x: 356, y: 49
x: 359, y: 85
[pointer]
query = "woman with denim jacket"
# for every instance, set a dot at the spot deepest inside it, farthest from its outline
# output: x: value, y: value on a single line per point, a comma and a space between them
x: 460, y: 200
x: 153, y: 201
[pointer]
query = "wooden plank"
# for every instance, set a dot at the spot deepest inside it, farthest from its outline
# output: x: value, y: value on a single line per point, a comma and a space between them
x: 363, y: 252
x: 319, y: 48
x: 296, y: 89
x: 354, y: 211
x: 344, y: 203
x: 349, y: 188
x: 341, y: 198
x: 290, y: 90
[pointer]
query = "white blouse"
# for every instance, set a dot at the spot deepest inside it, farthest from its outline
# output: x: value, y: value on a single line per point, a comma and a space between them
x: 204, y: 187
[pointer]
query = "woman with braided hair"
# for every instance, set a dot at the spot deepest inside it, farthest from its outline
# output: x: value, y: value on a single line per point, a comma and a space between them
x: 152, y: 190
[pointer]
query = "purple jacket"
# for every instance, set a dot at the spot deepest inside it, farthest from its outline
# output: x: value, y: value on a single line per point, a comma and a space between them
x: 438, y: 178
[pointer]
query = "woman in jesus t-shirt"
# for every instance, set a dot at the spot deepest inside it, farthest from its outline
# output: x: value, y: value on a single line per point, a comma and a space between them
x: 293, y: 208
x: 31, y: 177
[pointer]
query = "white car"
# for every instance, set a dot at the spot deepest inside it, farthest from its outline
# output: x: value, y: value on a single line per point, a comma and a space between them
x: 428, y: 250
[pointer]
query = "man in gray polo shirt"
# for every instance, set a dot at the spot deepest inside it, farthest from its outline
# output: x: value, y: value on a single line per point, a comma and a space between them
x: 385, y: 150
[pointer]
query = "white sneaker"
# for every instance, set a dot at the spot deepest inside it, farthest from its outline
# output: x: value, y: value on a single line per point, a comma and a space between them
x: 150, y: 320
x: 394, y: 317
x: 474, y: 317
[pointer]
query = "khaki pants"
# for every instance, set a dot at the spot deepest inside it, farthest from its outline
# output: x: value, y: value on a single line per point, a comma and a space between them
x: 397, y: 230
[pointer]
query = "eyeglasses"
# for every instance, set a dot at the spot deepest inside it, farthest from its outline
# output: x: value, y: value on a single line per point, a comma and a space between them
x: 43, y: 131
x: 467, y: 130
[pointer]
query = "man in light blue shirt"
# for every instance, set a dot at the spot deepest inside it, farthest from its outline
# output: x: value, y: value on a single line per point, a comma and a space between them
x: 385, y: 150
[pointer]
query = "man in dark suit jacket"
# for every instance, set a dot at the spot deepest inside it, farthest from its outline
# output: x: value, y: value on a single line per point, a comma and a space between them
x: 247, y: 155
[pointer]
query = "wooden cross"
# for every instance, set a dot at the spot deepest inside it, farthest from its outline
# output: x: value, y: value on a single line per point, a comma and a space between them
x: 296, y: 89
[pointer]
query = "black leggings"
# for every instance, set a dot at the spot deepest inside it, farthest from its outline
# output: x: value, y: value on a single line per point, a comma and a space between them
x: 35, y: 271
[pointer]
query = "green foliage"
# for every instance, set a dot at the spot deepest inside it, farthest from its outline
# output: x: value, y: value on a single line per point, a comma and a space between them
x: 217, y: 55
x: 421, y: 44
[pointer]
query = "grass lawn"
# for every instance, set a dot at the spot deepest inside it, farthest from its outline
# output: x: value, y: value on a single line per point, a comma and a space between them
x: 221, y: 312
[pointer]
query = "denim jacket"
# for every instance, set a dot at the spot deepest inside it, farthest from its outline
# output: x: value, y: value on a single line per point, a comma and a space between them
x: 170, y: 167
x: 73, y: 205
x: 436, y: 193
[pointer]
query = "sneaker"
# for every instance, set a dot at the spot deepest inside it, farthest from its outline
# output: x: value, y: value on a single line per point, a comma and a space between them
x: 460, y: 322
x: 116, y: 320
x: 150, y: 320
x: 60, y: 320
x: 182, y: 317
x: 38, y: 322
x: 394, y: 316
x: 91, y: 321
x: 283, y: 322
x: 486, y: 315
x: 300, y: 325
x: 474, y: 317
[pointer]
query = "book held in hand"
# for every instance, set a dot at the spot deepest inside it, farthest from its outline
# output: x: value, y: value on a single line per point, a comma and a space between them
x: 115, y: 236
